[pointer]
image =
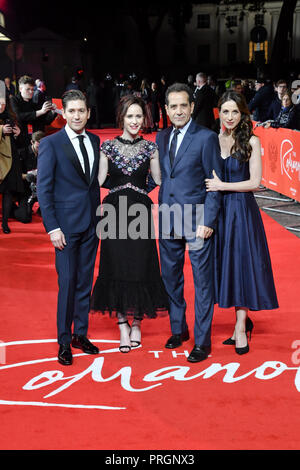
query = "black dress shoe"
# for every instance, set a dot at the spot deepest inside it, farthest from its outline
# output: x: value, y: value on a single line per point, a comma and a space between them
x: 176, y: 340
x: 199, y: 353
x: 81, y: 342
x: 65, y: 355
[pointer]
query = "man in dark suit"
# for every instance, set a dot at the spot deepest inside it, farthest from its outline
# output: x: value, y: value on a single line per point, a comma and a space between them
x: 261, y: 101
x: 68, y: 194
x: 205, y: 101
x: 188, y: 215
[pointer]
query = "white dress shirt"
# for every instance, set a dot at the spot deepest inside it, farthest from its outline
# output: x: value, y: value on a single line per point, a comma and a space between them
x: 73, y: 136
x: 180, y: 136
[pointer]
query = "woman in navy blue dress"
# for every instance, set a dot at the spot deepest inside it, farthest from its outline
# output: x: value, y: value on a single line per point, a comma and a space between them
x: 244, y: 277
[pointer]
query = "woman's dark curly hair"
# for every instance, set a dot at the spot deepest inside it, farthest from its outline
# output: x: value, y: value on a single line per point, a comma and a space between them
x: 244, y: 130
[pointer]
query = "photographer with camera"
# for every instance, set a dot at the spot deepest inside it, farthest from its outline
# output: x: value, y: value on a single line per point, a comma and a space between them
x: 29, y: 168
x: 28, y: 112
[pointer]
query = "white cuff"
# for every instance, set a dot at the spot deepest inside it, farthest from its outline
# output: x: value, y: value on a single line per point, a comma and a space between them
x: 54, y: 230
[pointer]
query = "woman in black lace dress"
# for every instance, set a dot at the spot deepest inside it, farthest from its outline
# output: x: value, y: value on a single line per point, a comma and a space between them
x: 129, y: 282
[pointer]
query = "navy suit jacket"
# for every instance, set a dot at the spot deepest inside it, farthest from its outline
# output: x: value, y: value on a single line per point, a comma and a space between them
x: 67, y: 200
x: 184, y: 183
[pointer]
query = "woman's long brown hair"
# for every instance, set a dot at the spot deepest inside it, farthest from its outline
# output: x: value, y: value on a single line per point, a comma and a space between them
x: 244, y: 130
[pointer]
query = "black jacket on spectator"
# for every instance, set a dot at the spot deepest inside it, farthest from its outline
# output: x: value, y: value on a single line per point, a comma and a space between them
x: 29, y: 159
x: 39, y: 98
x: 260, y: 103
x: 275, y: 108
x: 26, y: 114
x: 29, y: 163
x: 248, y: 93
x: 286, y: 118
x: 205, y: 101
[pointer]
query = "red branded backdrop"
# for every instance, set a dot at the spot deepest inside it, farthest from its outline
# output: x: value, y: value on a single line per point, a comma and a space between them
x: 281, y: 160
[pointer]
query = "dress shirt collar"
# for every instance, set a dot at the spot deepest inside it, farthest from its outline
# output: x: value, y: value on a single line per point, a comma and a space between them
x: 72, y: 134
x: 183, y: 129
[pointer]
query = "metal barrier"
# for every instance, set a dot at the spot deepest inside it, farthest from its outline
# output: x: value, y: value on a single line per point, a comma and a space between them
x: 279, y: 208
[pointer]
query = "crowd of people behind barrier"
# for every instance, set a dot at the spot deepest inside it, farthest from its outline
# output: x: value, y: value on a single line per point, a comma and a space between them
x: 271, y: 104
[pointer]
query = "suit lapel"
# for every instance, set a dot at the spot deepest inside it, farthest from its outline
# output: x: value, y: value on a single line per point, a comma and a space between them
x: 166, y: 149
x: 72, y: 155
x: 96, y: 156
x: 184, y: 144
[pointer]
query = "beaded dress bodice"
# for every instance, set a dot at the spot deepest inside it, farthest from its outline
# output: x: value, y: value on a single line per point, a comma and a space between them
x: 129, y: 163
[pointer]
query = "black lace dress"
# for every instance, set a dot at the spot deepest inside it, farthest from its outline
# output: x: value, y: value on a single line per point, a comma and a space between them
x: 129, y: 280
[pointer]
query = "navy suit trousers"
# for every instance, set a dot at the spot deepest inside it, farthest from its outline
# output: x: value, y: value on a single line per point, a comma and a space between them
x: 172, y: 255
x: 75, y: 269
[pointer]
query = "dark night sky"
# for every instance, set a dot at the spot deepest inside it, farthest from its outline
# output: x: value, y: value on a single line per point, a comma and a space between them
x: 63, y: 17
x: 66, y: 17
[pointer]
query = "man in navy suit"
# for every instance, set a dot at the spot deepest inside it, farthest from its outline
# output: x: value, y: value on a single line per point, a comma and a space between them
x: 188, y: 215
x: 69, y: 194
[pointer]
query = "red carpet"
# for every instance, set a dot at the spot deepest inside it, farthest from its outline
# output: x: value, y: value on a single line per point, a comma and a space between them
x: 151, y: 398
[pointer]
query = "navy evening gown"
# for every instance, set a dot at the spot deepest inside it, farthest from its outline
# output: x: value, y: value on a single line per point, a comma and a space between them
x: 243, y: 274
